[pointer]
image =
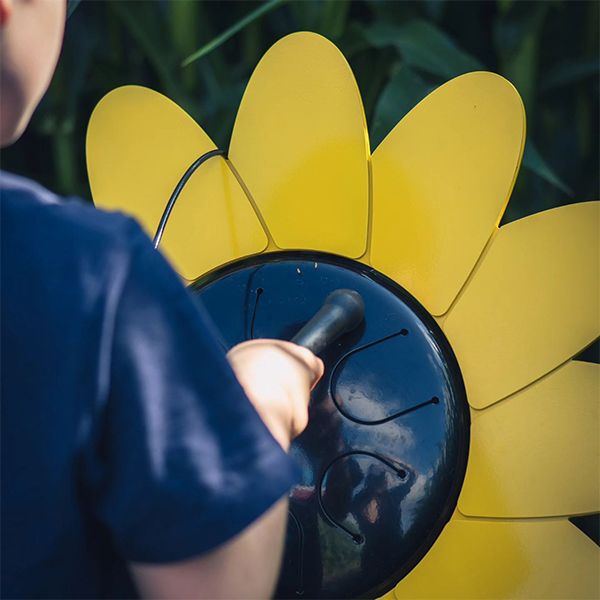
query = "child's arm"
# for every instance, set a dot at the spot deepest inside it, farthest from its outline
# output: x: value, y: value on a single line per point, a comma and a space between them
x: 277, y: 377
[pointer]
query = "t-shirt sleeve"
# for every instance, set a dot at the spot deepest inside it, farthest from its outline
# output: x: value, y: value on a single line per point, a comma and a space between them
x: 186, y: 462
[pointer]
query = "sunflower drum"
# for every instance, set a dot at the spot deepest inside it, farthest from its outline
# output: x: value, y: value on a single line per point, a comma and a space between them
x: 453, y: 441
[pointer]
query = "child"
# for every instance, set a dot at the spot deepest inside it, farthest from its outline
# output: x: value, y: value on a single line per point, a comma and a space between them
x: 132, y: 459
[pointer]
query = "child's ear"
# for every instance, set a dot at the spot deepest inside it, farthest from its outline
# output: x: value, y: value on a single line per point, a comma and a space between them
x: 5, y: 11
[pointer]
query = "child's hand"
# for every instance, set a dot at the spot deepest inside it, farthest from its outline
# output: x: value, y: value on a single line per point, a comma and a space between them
x: 277, y: 377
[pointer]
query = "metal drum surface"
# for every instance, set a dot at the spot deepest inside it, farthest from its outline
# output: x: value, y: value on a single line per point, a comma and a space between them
x: 384, y: 455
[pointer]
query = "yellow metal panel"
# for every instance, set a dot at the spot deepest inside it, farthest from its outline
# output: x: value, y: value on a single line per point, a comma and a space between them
x: 139, y: 144
x: 441, y: 181
x: 537, y: 453
x: 506, y: 559
x: 300, y: 145
x: 532, y: 303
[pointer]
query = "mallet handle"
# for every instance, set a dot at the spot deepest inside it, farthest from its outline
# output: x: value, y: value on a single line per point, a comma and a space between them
x: 342, y: 311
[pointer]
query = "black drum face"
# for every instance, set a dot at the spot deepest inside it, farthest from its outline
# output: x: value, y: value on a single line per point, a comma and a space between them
x: 383, y: 458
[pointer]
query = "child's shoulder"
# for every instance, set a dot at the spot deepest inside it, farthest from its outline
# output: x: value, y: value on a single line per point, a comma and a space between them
x: 15, y: 185
x: 38, y: 212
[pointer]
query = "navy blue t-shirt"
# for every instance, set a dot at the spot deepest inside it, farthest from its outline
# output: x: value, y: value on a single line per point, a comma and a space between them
x: 125, y: 435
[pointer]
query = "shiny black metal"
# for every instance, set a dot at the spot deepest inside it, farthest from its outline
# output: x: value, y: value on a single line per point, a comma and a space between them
x: 590, y: 525
x: 342, y: 311
x: 384, y: 455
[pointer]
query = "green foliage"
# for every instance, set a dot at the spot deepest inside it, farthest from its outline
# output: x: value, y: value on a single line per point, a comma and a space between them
x: 223, y: 37
x: 399, y: 51
x: 422, y: 46
x: 532, y: 160
x: 404, y: 90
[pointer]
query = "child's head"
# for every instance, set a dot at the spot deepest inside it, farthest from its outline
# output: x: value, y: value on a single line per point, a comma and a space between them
x: 31, y: 34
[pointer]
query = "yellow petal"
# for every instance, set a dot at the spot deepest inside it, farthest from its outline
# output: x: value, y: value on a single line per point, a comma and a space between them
x: 537, y: 454
x: 532, y: 303
x: 139, y: 144
x: 300, y: 145
x: 441, y: 181
x: 506, y: 559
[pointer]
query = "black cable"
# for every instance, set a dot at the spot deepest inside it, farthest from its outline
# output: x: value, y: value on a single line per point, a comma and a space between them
x: 178, y: 188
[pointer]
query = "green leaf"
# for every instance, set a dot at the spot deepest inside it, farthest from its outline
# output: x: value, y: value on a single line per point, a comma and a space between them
x: 568, y: 73
x: 333, y: 16
x: 533, y: 161
x: 517, y: 41
x: 229, y: 33
x: 404, y: 90
x: 504, y: 6
x: 305, y: 15
x: 144, y: 32
x: 184, y: 34
x: 64, y: 162
x: 423, y: 46
x: 435, y: 9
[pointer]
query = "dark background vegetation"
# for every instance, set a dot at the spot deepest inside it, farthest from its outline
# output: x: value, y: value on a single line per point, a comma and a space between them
x: 399, y: 51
